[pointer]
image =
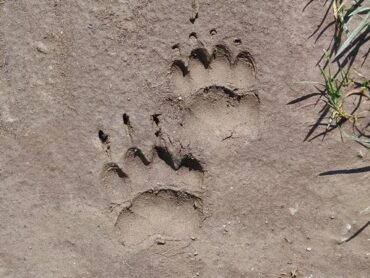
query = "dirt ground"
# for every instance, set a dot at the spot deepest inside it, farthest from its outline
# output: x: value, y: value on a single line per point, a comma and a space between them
x: 145, y: 138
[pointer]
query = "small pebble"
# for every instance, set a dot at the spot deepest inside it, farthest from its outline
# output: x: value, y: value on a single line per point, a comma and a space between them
x: 360, y: 154
x: 309, y: 249
x: 195, y: 253
x: 347, y: 229
x: 179, y: 98
x: 294, y: 210
x: 160, y: 241
x: 197, y: 274
x: 193, y: 238
x: 40, y: 47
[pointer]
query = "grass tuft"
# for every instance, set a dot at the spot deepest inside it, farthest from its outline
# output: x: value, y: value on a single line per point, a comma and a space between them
x: 345, y: 13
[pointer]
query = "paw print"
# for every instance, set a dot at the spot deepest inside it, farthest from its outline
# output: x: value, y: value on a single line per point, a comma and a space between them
x: 220, y: 68
x: 156, y: 185
x: 218, y: 94
x: 152, y: 195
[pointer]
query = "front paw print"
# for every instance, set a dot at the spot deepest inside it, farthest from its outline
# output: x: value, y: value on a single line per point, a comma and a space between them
x: 152, y: 195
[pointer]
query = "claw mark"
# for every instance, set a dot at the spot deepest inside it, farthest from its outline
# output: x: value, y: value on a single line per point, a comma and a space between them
x: 202, y: 55
x: 104, y: 139
x: 221, y: 51
x: 127, y: 123
x: 195, y: 10
x: 193, y: 35
x: 113, y: 167
x: 165, y: 155
x: 248, y: 58
x: 178, y: 64
x: 155, y: 119
x: 175, y: 46
x: 136, y: 152
x: 191, y: 163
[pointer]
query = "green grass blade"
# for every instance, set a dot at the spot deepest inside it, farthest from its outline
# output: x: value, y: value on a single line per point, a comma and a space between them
x: 360, y: 27
x: 359, y: 10
x: 356, y: 139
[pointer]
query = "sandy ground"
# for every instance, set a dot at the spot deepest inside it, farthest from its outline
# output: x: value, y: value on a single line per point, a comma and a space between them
x: 153, y: 139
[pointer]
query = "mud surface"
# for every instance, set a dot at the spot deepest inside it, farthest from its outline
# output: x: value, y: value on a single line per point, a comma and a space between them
x: 153, y: 139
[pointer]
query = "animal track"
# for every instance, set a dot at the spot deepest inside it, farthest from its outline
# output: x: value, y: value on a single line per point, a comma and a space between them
x: 164, y: 213
x: 218, y: 68
x: 158, y: 167
x: 154, y: 193
x: 218, y: 92
x: 172, y: 210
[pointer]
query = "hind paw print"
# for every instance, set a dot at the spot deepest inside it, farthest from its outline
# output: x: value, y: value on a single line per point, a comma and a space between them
x: 218, y: 92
